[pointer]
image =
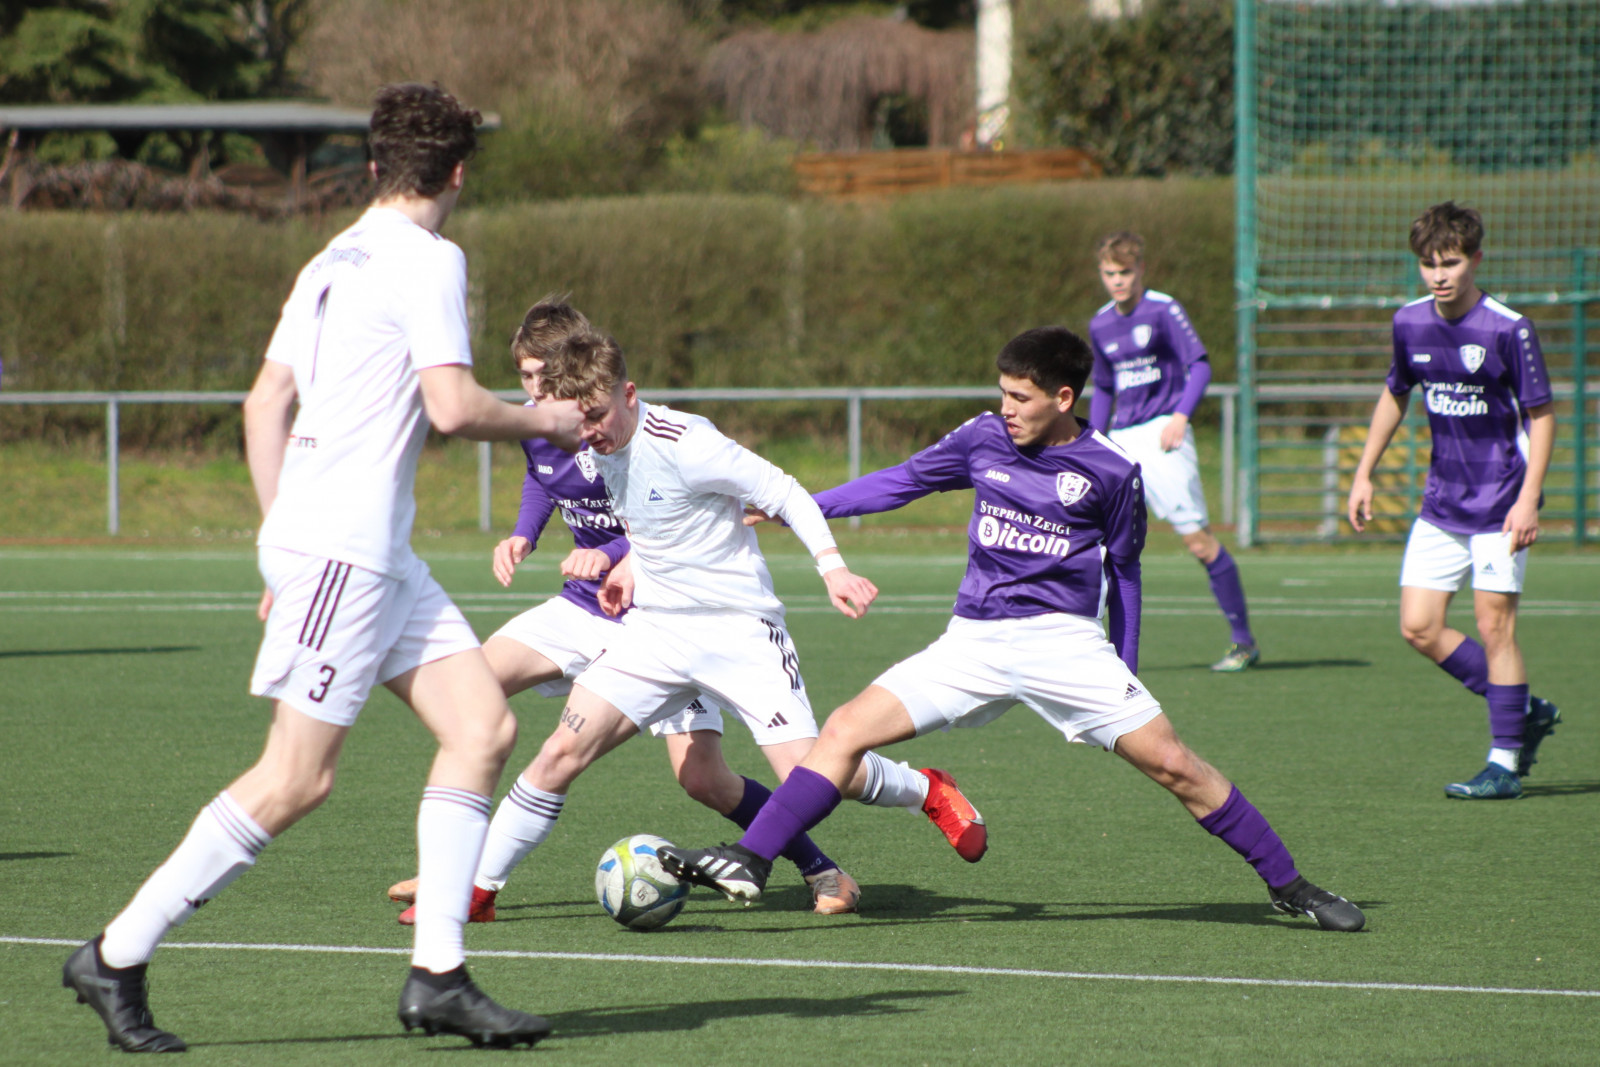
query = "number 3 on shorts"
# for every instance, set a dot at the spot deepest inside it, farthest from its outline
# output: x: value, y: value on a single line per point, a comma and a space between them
x: 321, y: 692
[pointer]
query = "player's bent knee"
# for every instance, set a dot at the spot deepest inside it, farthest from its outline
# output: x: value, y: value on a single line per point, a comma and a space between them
x: 698, y: 783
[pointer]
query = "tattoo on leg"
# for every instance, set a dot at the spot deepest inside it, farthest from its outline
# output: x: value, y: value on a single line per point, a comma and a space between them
x: 571, y: 721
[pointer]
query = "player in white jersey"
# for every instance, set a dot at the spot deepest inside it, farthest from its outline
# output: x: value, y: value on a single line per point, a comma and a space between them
x: 373, y: 345
x: 547, y: 646
x: 704, y: 617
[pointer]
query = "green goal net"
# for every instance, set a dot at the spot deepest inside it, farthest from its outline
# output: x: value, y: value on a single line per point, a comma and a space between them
x: 1355, y: 116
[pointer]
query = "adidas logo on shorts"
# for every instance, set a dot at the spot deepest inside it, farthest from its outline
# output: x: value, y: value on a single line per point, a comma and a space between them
x: 1132, y: 691
x: 777, y: 721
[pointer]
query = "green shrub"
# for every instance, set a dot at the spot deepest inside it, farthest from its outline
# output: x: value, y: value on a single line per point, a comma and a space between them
x: 701, y: 290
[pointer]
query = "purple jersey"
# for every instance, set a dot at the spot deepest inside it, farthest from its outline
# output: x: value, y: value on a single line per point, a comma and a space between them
x: 1479, y: 375
x: 1046, y: 522
x: 1143, y: 358
x: 569, y: 482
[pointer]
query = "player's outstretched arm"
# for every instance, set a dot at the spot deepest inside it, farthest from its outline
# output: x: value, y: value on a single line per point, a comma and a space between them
x: 459, y: 406
x: 1386, y: 418
x: 1522, y: 521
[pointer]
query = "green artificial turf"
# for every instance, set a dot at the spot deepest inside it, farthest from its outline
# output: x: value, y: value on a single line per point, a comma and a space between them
x: 123, y: 710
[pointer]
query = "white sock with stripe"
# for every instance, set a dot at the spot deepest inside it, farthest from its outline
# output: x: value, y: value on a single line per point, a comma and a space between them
x: 451, y: 824
x: 892, y: 785
x: 221, y: 844
x: 521, y: 823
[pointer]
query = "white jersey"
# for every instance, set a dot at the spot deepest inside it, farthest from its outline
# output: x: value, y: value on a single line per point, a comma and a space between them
x: 385, y: 299
x: 680, y: 487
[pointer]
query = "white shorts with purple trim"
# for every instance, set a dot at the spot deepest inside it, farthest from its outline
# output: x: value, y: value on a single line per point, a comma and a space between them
x: 1062, y: 666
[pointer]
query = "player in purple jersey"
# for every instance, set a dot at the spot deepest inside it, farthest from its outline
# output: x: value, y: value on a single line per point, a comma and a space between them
x: 1483, y: 380
x: 546, y: 647
x: 1058, y: 523
x: 1150, y: 366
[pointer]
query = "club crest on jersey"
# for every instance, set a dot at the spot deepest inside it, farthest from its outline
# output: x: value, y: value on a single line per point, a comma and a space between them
x: 1141, y: 336
x: 655, y: 496
x: 586, y: 467
x: 1472, y: 357
x: 1070, y: 488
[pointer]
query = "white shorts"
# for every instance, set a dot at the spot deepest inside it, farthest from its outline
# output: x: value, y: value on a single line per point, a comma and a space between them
x: 746, y: 663
x: 1172, y: 490
x: 336, y: 630
x: 1439, y: 559
x: 1062, y: 666
x: 571, y: 638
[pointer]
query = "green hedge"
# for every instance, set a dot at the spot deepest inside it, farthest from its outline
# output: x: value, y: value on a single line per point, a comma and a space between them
x: 701, y: 290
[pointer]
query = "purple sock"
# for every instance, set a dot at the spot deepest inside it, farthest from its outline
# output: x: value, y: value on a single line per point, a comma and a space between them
x: 1508, y: 712
x: 799, y: 804
x: 1225, y: 587
x: 1468, y: 665
x: 802, y: 852
x: 1246, y: 831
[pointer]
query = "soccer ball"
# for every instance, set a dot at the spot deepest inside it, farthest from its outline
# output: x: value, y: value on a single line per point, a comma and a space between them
x: 633, y: 888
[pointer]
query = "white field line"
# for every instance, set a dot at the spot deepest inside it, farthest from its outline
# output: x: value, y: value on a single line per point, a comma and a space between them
x: 76, y: 602
x: 840, y: 965
x: 1308, y: 565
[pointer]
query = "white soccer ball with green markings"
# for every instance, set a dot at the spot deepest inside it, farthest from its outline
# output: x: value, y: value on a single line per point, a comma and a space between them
x: 633, y: 888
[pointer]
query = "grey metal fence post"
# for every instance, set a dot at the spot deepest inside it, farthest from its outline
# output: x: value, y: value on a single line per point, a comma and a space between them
x: 113, y: 454
x: 1330, y: 484
x: 484, y: 460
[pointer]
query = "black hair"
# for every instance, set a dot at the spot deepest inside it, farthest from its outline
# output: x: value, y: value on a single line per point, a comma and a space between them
x: 1049, y: 357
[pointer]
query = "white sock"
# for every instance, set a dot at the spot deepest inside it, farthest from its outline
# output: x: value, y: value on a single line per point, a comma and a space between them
x: 451, y: 824
x: 892, y: 785
x: 221, y: 844
x: 1505, y: 758
x: 521, y: 823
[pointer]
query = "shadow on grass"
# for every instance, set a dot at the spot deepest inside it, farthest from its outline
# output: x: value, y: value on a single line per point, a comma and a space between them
x: 1561, y: 789
x: 656, y: 1018
x: 902, y: 905
x: 5, y: 856
x: 666, y: 1017
x: 23, y: 653
x: 1265, y: 665
x: 895, y: 905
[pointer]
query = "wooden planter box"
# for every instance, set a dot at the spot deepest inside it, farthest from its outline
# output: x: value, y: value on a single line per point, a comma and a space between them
x: 906, y: 170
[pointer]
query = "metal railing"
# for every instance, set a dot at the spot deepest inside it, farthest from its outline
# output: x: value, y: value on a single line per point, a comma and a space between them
x: 852, y: 397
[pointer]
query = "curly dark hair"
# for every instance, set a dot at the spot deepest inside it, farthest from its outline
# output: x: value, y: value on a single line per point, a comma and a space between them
x: 419, y: 133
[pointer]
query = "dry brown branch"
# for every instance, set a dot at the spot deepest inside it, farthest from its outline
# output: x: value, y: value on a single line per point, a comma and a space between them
x: 123, y: 185
x: 618, y: 54
x: 821, y: 88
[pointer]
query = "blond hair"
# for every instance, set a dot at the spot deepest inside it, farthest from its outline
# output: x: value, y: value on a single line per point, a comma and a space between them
x: 1124, y: 248
x: 584, y: 366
